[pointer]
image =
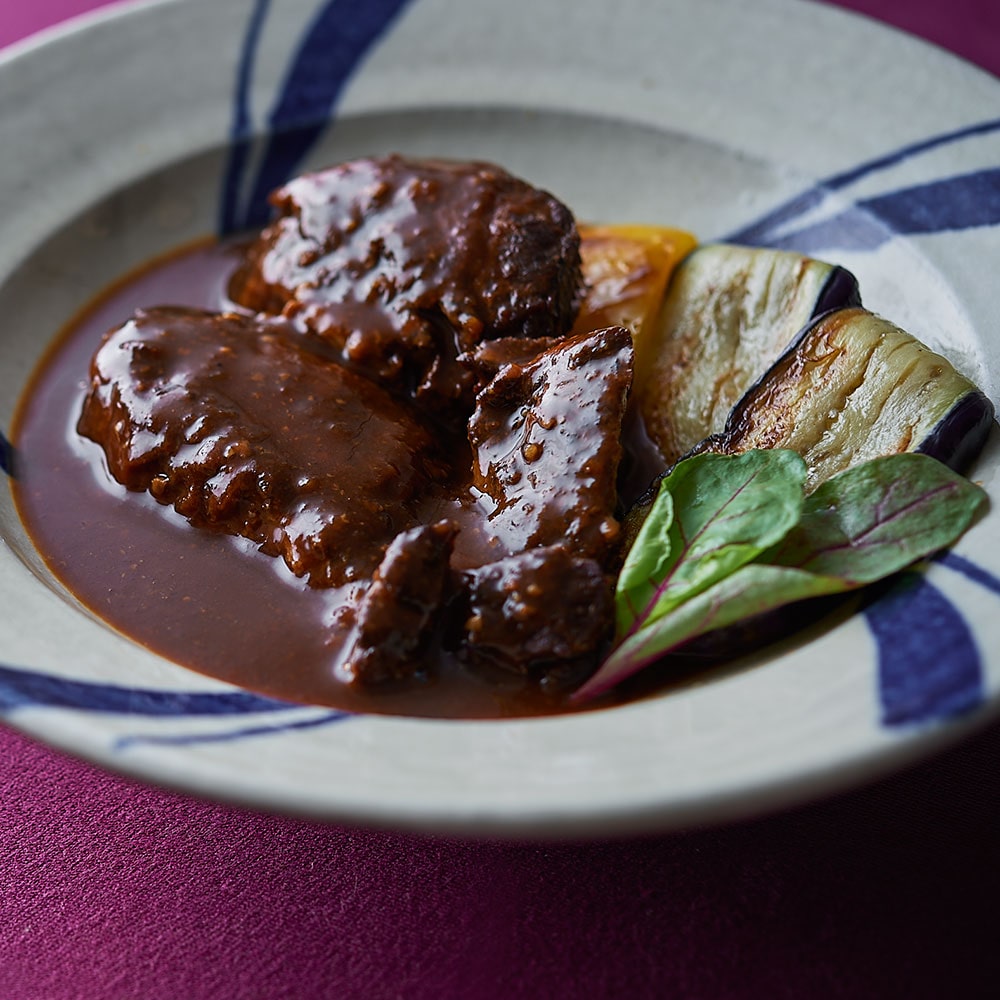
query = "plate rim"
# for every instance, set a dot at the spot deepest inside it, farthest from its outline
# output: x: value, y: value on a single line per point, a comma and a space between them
x: 778, y: 794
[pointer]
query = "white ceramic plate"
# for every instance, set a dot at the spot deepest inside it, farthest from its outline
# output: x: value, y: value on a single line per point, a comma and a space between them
x: 782, y: 122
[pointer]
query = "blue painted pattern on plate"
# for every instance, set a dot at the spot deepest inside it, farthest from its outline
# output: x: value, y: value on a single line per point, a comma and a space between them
x: 23, y: 689
x: 957, y: 210
x: 331, y: 51
x: 27, y: 688
x: 929, y: 667
x: 242, y: 128
x: 967, y: 201
x: 970, y: 571
x: 6, y: 456
x: 229, y: 735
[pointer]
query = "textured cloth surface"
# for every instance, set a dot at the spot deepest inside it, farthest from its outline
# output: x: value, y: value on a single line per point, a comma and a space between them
x: 113, y: 891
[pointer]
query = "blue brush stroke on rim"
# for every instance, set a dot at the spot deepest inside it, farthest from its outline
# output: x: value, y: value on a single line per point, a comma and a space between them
x: 26, y: 689
x: 242, y: 128
x: 969, y: 201
x: 970, y: 571
x: 765, y: 229
x: 125, y: 742
x: 333, y: 47
x: 929, y: 667
x: 7, y: 456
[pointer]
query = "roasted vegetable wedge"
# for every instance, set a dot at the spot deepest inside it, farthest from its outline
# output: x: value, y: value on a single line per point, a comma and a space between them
x: 855, y: 387
x: 729, y: 313
x: 625, y: 273
x: 852, y: 387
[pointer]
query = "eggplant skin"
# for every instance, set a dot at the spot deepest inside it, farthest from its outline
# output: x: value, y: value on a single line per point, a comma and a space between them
x: 852, y: 387
x: 855, y: 387
x: 729, y: 312
x: 841, y: 291
x: 961, y: 434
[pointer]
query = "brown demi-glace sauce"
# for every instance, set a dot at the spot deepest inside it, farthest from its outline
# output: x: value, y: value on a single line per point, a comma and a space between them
x: 208, y: 599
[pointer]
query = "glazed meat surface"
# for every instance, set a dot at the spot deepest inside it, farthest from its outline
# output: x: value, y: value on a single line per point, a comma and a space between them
x: 404, y: 264
x: 546, y: 440
x: 541, y: 611
x: 241, y: 429
x: 396, y: 617
x: 403, y: 415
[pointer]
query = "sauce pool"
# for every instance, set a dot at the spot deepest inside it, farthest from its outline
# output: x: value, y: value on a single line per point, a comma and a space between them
x: 208, y: 601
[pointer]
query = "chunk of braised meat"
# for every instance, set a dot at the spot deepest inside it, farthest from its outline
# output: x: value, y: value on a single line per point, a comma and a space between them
x: 404, y: 264
x: 244, y: 431
x: 486, y: 360
x: 546, y: 442
x: 397, y: 615
x: 541, y: 611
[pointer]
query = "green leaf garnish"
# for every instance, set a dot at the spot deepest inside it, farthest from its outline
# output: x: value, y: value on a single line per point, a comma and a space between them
x: 713, y: 514
x: 734, y: 536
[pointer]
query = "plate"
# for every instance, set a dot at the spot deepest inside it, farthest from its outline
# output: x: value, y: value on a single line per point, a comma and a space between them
x: 778, y: 123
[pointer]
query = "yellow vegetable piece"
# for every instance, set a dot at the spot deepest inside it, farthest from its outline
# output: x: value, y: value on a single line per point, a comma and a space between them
x: 625, y: 272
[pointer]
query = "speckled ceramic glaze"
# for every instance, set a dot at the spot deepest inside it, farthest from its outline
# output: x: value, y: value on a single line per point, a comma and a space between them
x: 777, y: 123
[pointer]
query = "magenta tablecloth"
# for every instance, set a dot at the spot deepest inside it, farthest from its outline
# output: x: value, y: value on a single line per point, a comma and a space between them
x: 110, y: 890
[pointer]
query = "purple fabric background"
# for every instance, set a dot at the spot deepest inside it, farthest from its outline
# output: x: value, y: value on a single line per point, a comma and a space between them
x: 112, y: 890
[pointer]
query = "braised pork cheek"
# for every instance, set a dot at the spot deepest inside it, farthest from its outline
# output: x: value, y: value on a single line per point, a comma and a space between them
x: 396, y: 618
x: 404, y: 264
x: 403, y: 419
x: 546, y: 444
x: 236, y: 424
x: 540, y: 613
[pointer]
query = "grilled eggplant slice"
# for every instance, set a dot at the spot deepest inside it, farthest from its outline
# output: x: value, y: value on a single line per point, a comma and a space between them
x: 854, y: 387
x: 729, y: 314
